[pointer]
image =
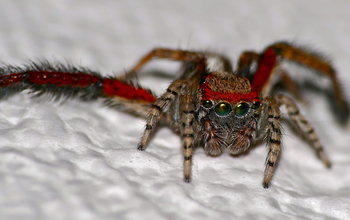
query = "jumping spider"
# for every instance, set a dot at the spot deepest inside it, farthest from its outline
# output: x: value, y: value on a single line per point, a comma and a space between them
x: 219, y: 108
x: 210, y: 104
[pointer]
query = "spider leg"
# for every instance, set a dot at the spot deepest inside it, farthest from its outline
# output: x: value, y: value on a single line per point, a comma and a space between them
x: 157, y: 108
x: 245, y: 64
x: 304, y: 126
x: 187, y: 111
x: 273, y: 139
x: 163, y: 53
x: 313, y: 61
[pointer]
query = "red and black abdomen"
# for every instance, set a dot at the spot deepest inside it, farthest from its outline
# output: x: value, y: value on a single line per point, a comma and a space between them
x: 61, y: 82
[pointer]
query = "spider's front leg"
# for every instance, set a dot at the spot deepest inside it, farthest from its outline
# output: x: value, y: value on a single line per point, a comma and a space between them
x: 304, y: 126
x: 157, y: 109
x: 186, y: 108
x: 273, y: 139
x: 187, y: 111
x: 274, y: 133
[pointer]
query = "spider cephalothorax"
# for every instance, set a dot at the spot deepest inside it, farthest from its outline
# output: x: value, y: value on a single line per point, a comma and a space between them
x: 210, y: 104
x: 228, y: 113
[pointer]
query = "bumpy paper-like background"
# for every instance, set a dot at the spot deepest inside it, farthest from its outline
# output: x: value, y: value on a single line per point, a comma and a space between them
x: 79, y: 160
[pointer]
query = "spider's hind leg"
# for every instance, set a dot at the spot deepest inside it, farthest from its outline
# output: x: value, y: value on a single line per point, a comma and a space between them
x: 163, y: 53
x: 317, y: 63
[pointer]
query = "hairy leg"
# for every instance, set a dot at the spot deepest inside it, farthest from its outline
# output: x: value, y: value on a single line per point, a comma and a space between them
x: 304, y: 126
x: 273, y: 139
x: 157, y: 109
x: 187, y: 111
x: 163, y: 53
x: 315, y: 62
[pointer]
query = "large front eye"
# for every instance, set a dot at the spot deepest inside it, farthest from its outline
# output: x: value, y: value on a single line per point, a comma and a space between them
x: 223, y: 108
x: 241, y: 109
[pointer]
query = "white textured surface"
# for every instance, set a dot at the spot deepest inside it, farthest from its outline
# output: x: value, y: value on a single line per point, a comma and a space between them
x: 79, y: 160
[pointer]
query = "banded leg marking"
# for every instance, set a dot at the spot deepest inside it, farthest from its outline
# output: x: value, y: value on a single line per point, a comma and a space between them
x: 157, y: 109
x: 304, y: 126
x: 274, y: 139
x: 187, y: 133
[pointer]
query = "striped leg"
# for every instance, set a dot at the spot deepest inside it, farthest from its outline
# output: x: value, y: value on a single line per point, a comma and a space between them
x: 274, y: 139
x: 157, y: 109
x: 187, y: 133
x: 304, y: 126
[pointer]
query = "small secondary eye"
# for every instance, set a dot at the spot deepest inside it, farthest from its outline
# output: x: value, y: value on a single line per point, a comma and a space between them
x: 241, y: 109
x: 223, y: 108
x: 256, y: 105
x: 207, y: 104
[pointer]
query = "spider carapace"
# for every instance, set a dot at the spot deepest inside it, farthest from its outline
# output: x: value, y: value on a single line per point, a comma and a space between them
x: 209, y: 105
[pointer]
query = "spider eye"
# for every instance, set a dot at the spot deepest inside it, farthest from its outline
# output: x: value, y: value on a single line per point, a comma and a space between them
x: 207, y: 104
x: 256, y: 105
x: 223, y: 108
x: 241, y: 109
